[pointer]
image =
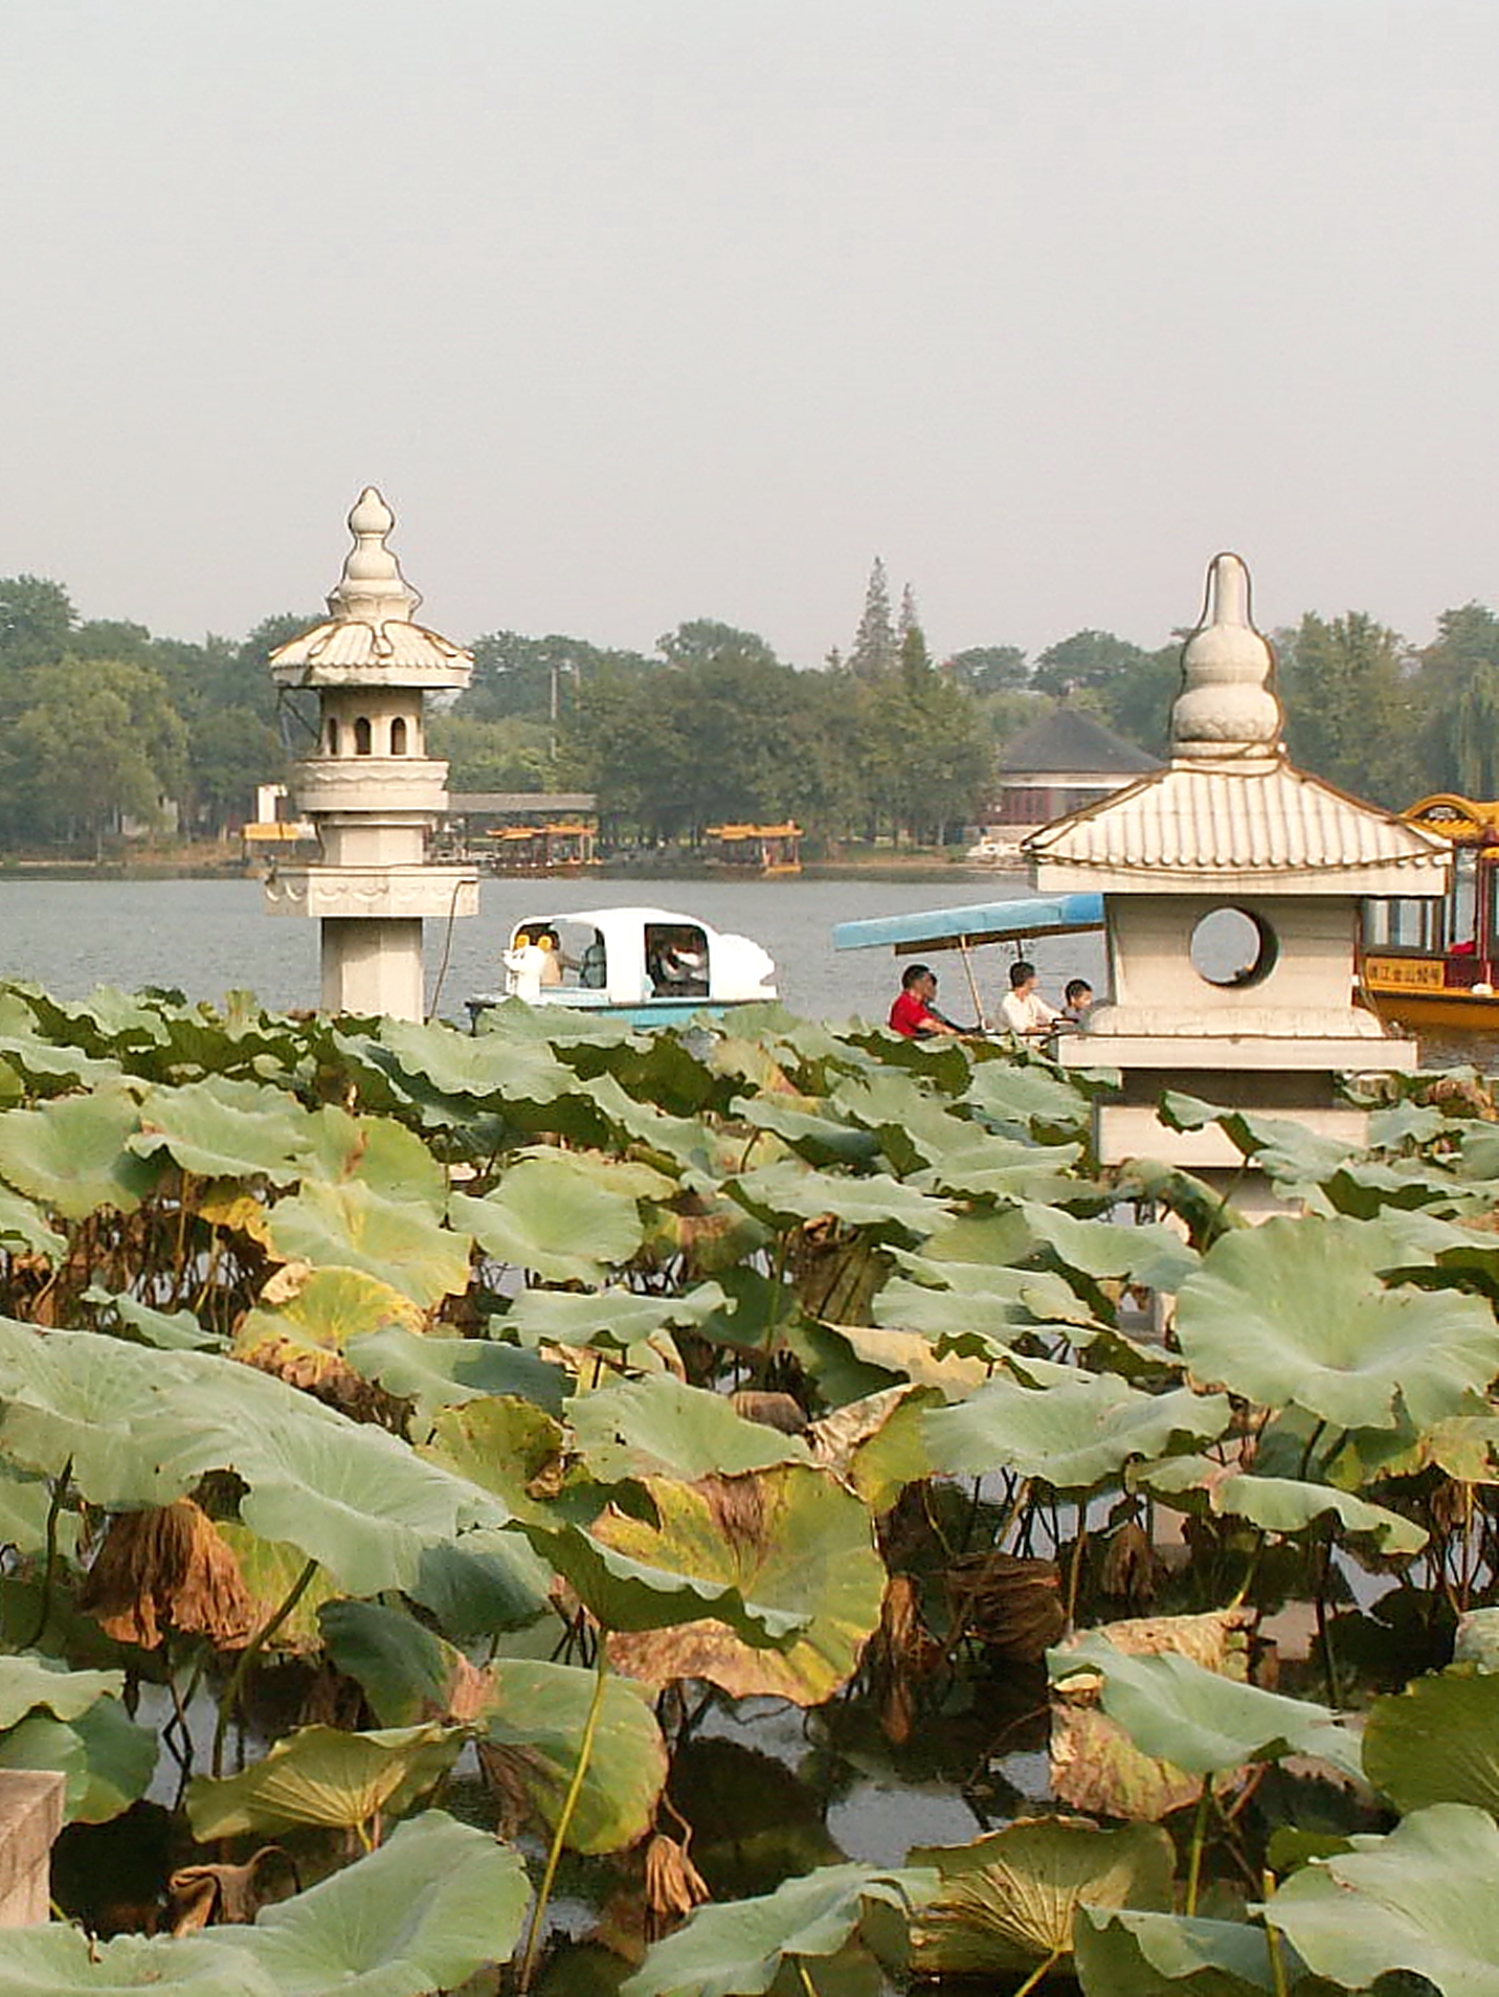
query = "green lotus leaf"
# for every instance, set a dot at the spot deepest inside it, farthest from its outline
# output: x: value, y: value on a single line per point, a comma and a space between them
x: 142, y: 1427
x: 106, y: 1760
x: 615, y: 1175
x: 686, y: 1142
x: 435, y: 1903
x: 1199, y: 1721
x: 1406, y: 1122
x: 223, y: 1129
x: 72, y: 1154
x: 322, y: 1775
x: 789, y: 1193
x: 737, y: 1950
x: 485, y: 1066
x: 31, y: 1681
x: 349, y: 1226
x: 380, y: 1153
x: 25, y: 1502
x: 1422, y: 1899
x: 1477, y: 1640
x: 1286, y: 1152
x: 487, y: 1581
x: 170, y: 1331
x: 876, y: 1444
x: 446, y: 1372
x: 981, y: 1165
x: 789, y: 1539
x: 1025, y: 1099
x: 1278, y: 1504
x: 1437, y: 1742
x: 996, y: 1315
x: 951, y: 1365
x: 1295, y: 1310
x: 1119, y: 1952
x: 22, y: 1222
x: 1008, y: 1901
x: 816, y: 1138
x: 645, y: 1427
x: 328, y: 1308
x: 550, y: 1215
x: 1152, y: 1254
x: 530, y: 1715
x: 270, y: 1569
x: 51, y: 1070
x: 611, y: 1316
x: 1072, y: 1433
x: 57, y: 1960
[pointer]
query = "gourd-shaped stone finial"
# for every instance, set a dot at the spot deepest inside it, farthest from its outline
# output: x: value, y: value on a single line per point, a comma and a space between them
x: 1226, y: 708
x: 372, y: 589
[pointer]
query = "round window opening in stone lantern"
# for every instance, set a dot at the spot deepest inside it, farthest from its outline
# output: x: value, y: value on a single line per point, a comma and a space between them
x: 1233, y: 949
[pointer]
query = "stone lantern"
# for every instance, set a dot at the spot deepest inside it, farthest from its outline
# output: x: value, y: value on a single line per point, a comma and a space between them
x: 369, y: 787
x: 1231, y: 885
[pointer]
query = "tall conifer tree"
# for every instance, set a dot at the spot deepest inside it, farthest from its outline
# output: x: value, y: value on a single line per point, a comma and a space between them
x: 875, y: 647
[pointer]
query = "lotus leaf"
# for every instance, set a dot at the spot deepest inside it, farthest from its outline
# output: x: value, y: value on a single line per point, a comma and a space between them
x: 481, y: 1066
x: 409, y: 1676
x: 1404, y: 1123
x: 57, y: 1960
x: 446, y: 1372
x: 1198, y: 1720
x: 72, y: 1154
x: 644, y: 1427
x: 1437, y: 1742
x: 1422, y: 1899
x: 141, y: 1428
x: 788, y: 1193
x: 222, y: 1129
x: 171, y: 1331
x: 1072, y: 1433
x: 270, y: 1569
x: 25, y: 1502
x: 106, y: 1760
x: 349, y: 1226
x: 380, y: 1153
x: 514, y: 1448
x: 321, y: 1775
x: 320, y: 1310
x: 1295, y: 1310
x: 21, y: 1221
x: 550, y: 1215
x: 611, y: 1316
x: 435, y: 1903
x: 1278, y: 1504
x: 790, y: 1538
x: 1009, y: 1900
x: 1477, y: 1640
x: 876, y: 1444
x: 737, y: 1950
x: 487, y: 1581
x: 689, y: 1145
x: 1152, y: 1254
x: 1020, y: 1099
x: 816, y: 1138
x: 30, y: 1681
x: 49, y: 1069
x: 1119, y: 1952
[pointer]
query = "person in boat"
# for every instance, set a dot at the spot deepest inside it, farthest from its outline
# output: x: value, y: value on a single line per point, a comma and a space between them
x: 1022, y: 1010
x: 678, y: 965
x: 1077, y: 1002
x: 914, y: 1013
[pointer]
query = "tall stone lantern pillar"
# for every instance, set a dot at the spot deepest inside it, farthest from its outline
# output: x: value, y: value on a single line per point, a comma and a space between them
x: 369, y: 786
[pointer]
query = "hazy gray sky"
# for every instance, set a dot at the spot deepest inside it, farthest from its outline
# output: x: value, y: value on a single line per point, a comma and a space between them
x: 641, y: 310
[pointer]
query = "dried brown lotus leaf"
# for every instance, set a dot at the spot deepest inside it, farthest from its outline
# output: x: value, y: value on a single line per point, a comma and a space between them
x: 1012, y: 1604
x: 777, y: 1411
x: 673, y: 1884
x: 1132, y: 1570
x: 225, y: 1894
x: 168, y: 1569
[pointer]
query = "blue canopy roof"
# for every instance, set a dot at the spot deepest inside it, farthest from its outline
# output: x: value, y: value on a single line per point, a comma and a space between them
x: 978, y: 922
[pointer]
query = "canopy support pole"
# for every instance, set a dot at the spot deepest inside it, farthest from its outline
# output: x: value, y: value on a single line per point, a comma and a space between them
x: 978, y: 1003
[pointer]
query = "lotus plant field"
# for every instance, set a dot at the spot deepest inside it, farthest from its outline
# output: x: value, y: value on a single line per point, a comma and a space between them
x: 420, y: 1453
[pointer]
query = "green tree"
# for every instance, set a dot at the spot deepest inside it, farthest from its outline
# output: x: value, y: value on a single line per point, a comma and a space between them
x: 875, y: 651
x: 1349, y: 705
x: 703, y: 642
x: 491, y: 755
x: 98, y: 742
x: 1086, y: 659
x: 36, y: 621
x: 1454, y: 697
x: 989, y: 668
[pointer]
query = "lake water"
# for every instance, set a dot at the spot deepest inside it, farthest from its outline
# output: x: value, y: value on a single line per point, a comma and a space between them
x: 208, y: 937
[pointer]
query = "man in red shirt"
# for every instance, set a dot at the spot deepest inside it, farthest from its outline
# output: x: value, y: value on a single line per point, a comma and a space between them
x: 913, y: 1014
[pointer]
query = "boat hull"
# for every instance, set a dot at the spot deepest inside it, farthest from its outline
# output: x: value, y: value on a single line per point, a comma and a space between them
x: 1435, y: 1011
x: 643, y: 1013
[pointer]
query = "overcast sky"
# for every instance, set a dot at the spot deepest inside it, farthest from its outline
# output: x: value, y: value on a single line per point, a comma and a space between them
x: 642, y: 310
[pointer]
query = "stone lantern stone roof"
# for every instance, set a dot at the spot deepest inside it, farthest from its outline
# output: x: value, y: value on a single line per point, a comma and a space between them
x: 369, y: 638
x: 1229, y: 810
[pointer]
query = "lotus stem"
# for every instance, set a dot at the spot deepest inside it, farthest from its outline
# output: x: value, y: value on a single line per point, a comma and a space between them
x: 1199, y: 1839
x: 809, y: 1988
x: 1272, y: 1940
x: 565, y: 1816
x: 248, y: 1656
x: 54, y: 1509
x: 1042, y: 1969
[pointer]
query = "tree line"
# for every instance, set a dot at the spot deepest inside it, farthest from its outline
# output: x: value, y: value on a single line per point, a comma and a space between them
x: 103, y: 725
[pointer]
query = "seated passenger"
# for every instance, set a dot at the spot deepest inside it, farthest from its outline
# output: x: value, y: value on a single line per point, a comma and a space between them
x: 914, y: 1014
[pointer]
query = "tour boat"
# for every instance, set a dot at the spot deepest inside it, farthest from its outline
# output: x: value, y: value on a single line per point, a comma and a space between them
x: 646, y: 966
x: 1432, y: 962
x: 965, y: 928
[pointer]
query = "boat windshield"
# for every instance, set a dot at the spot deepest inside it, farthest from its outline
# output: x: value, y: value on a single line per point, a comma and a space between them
x: 676, y: 959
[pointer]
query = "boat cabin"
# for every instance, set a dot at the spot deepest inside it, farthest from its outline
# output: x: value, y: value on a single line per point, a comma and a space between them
x: 651, y: 965
x: 562, y: 846
x: 1434, y: 963
x: 756, y: 849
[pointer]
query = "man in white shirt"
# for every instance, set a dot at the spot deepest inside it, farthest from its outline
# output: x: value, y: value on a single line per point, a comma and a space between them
x: 1022, y: 1010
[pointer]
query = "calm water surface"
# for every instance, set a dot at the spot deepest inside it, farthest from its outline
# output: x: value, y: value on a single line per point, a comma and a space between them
x: 211, y: 936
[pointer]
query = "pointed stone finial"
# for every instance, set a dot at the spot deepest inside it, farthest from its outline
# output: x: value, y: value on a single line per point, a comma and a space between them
x: 372, y: 589
x: 1227, y: 708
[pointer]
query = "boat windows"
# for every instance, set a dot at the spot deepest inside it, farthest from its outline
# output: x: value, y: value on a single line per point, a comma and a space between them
x: 1404, y: 922
x: 1462, y: 899
x: 1233, y: 948
x: 676, y: 960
